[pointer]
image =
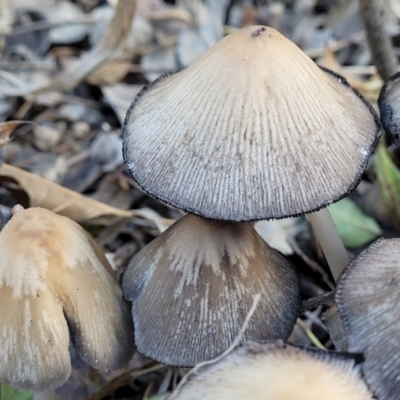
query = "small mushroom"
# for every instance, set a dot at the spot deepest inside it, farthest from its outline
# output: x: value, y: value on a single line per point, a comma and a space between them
x: 389, y: 106
x: 192, y: 287
x: 55, y: 286
x: 275, y: 371
x: 368, y: 299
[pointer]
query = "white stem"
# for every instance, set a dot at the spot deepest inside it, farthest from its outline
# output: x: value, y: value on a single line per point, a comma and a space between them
x: 329, y: 239
x: 48, y: 395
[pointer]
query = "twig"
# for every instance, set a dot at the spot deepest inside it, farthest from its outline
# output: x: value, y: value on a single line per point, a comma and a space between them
x: 314, y: 340
x: 372, y: 14
x: 234, y: 344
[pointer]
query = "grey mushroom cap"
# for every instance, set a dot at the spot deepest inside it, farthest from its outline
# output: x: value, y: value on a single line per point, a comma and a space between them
x: 368, y: 299
x: 252, y: 130
x: 192, y: 287
x: 56, y: 286
x: 275, y: 371
x: 389, y: 106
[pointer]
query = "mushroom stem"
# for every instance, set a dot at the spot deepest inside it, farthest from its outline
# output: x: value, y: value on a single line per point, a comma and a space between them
x: 328, y: 237
x: 48, y: 395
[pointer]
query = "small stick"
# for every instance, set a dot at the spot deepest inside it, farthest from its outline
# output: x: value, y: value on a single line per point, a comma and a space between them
x: 373, y: 14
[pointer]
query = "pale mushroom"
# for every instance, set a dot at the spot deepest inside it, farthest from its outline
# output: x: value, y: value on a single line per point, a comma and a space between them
x: 252, y: 130
x: 368, y: 299
x: 55, y: 286
x: 192, y: 287
x: 275, y: 371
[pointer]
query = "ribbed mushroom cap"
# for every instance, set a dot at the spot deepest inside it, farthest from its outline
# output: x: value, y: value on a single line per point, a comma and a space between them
x: 192, y: 287
x: 389, y: 106
x: 253, y: 129
x: 55, y: 282
x: 368, y: 298
x: 275, y: 371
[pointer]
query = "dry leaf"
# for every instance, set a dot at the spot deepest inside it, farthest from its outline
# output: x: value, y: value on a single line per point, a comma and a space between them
x: 108, y: 48
x: 59, y: 199
x: 6, y: 130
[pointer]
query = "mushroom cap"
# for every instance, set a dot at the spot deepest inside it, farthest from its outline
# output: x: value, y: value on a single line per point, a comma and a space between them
x: 389, y: 106
x: 368, y: 299
x: 275, y: 371
x: 253, y: 129
x: 55, y: 283
x: 192, y: 287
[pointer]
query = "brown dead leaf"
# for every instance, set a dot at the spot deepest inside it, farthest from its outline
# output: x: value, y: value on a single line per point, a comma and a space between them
x: 59, y: 199
x: 6, y: 130
x: 110, y: 72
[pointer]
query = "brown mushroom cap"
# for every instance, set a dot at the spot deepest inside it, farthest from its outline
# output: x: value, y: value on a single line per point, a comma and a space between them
x: 368, y: 299
x: 253, y: 129
x: 275, y: 371
x: 192, y: 287
x: 389, y: 106
x: 55, y: 282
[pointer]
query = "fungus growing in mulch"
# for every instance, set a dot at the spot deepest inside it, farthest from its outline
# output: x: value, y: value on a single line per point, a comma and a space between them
x: 368, y: 299
x: 56, y: 286
x: 275, y: 371
x: 252, y: 130
x: 192, y: 287
x: 389, y: 106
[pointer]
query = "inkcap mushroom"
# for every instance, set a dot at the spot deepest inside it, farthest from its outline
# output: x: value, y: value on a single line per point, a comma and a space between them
x: 275, y: 371
x: 389, y: 106
x: 368, y: 299
x: 56, y: 286
x: 192, y: 287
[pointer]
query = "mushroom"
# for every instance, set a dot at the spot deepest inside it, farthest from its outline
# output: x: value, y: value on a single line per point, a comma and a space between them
x: 275, y: 371
x: 368, y: 299
x: 389, y: 106
x: 55, y: 286
x: 192, y: 287
x: 252, y: 130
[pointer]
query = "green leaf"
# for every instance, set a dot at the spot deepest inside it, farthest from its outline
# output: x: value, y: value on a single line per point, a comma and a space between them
x: 355, y: 228
x: 388, y: 176
x: 7, y: 392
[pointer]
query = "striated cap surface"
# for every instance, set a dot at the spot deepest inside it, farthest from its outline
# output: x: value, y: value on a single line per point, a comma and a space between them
x: 192, y: 287
x: 253, y: 129
x: 368, y: 299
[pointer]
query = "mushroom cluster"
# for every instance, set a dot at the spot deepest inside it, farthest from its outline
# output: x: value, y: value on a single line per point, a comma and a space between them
x: 252, y: 130
x: 57, y: 287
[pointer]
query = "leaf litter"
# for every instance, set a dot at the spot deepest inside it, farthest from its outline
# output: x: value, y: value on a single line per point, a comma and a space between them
x: 69, y: 71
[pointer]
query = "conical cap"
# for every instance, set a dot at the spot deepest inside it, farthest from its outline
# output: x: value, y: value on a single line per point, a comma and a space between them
x: 368, y: 298
x: 275, y: 371
x: 56, y: 283
x: 192, y: 287
x: 251, y: 130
